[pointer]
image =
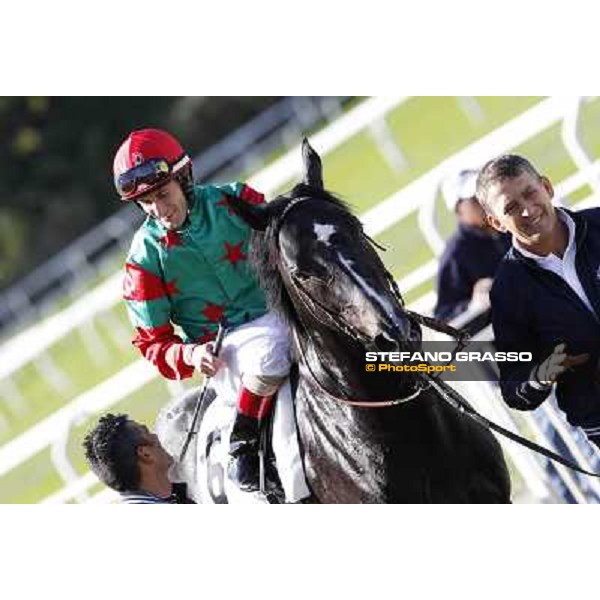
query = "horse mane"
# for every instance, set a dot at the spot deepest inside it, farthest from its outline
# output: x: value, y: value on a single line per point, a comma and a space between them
x: 264, y: 248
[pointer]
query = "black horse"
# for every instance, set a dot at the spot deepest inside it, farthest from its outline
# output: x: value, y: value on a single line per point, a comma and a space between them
x: 364, y: 438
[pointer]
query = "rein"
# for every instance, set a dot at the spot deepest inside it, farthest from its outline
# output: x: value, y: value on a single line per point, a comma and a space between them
x: 447, y: 393
x: 452, y: 397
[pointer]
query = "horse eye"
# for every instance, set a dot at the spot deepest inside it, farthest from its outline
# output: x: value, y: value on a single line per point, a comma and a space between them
x: 303, y: 277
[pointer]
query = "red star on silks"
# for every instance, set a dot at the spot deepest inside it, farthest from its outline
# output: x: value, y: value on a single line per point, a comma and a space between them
x: 233, y: 253
x: 139, y: 284
x: 207, y: 336
x: 213, y: 312
x: 223, y: 202
x: 171, y: 239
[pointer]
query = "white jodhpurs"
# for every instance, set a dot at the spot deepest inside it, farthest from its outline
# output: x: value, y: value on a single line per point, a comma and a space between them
x: 257, y: 355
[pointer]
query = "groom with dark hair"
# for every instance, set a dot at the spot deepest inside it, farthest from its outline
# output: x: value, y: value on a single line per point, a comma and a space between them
x: 130, y: 459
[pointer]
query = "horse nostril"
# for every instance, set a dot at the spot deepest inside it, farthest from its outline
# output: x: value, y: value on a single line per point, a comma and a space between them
x: 385, y: 343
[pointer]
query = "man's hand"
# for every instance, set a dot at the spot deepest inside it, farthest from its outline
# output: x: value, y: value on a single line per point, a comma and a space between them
x: 557, y: 363
x: 481, y: 293
x: 205, y: 361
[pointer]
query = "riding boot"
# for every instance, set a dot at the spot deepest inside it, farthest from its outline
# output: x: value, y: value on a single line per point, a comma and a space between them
x: 244, y: 467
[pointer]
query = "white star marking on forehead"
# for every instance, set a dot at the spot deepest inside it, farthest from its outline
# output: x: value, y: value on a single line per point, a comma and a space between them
x: 323, y: 232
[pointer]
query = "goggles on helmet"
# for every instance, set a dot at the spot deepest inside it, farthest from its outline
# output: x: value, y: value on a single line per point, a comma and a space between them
x: 150, y: 173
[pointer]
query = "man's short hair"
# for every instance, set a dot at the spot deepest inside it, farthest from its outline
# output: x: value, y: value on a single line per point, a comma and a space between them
x: 111, y: 452
x: 507, y: 166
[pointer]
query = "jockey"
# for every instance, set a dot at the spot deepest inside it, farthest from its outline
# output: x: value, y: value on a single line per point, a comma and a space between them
x: 187, y: 267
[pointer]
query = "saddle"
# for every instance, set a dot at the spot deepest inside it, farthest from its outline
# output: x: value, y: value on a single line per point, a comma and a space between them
x: 205, y: 465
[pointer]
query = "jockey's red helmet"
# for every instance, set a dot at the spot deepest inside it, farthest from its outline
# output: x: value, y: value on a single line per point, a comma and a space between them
x: 147, y: 159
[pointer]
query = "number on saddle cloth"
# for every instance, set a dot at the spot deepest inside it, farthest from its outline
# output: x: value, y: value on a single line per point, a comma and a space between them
x: 205, y: 465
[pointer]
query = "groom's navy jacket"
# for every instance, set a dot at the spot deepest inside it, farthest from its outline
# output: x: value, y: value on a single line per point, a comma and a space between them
x: 534, y: 310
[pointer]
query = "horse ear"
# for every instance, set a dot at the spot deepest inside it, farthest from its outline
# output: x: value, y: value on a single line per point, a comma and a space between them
x: 313, y: 169
x: 255, y: 215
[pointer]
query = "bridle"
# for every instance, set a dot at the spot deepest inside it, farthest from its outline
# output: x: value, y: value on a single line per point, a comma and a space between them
x: 447, y: 393
x: 337, y: 323
x: 351, y: 333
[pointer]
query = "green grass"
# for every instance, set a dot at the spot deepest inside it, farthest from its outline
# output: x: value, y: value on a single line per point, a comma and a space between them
x: 398, y: 239
x: 29, y: 482
x: 427, y: 129
x: 356, y: 172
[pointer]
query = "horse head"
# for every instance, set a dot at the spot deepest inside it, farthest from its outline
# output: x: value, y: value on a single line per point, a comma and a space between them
x: 320, y: 272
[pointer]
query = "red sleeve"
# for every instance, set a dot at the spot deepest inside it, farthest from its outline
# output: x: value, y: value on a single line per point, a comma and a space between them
x: 163, y: 349
x: 251, y: 196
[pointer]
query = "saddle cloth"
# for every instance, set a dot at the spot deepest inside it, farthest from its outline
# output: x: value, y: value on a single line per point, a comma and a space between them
x: 284, y: 444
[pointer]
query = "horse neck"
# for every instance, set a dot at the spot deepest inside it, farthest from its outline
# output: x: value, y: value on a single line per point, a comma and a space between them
x: 362, y: 450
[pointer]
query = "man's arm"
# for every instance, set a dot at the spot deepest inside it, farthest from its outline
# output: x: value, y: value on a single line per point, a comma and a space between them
x: 518, y: 383
x: 453, y: 289
x: 146, y: 297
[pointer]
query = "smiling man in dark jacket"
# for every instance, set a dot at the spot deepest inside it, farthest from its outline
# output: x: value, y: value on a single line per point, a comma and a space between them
x: 546, y: 294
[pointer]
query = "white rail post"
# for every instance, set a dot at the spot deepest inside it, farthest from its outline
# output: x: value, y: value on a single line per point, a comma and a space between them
x: 15, y: 401
x: 574, y: 146
x: 60, y: 456
x: 388, y: 147
x: 472, y: 109
x: 427, y: 221
x: 51, y: 373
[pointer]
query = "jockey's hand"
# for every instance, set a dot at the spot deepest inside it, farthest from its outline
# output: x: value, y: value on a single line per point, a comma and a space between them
x: 205, y: 361
x: 557, y: 363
